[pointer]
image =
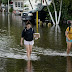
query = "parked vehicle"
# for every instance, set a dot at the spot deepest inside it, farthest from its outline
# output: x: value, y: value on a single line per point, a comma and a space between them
x: 26, y: 16
x: 17, y: 12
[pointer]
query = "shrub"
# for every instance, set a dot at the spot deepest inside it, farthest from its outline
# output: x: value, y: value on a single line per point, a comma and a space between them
x: 11, y: 10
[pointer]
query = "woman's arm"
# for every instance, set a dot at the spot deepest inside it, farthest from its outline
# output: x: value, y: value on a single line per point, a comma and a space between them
x: 66, y: 34
x: 22, y: 38
x: 21, y: 41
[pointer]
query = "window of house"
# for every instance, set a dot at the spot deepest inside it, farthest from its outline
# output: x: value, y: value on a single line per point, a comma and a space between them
x: 21, y: 4
x: 15, y: 4
x: 18, y: 4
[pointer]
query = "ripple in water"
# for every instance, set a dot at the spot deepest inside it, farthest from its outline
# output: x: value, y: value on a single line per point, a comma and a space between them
x: 21, y: 54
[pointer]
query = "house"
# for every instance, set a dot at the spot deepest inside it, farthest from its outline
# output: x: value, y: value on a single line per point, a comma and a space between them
x: 26, y: 5
x: 17, y: 4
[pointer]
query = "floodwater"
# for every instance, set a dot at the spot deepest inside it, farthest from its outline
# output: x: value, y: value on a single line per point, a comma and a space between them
x: 49, y: 52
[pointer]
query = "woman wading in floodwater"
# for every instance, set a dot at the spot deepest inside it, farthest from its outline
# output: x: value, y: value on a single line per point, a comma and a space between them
x: 68, y: 34
x: 27, y: 36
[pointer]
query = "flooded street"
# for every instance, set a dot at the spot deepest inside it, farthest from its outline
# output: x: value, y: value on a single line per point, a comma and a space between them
x: 49, y: 52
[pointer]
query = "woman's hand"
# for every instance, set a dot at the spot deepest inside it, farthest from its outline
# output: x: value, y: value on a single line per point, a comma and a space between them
x: 66, y: 34
x: 21, y: 43
x: 68, y: 39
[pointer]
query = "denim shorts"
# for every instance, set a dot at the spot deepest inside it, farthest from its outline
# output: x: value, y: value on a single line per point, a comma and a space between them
x: 68, y: 40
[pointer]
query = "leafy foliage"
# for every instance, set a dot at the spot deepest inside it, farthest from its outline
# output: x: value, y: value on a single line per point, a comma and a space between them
x: 5, y: 1
x: 11, y: 10
x: 66, y: 9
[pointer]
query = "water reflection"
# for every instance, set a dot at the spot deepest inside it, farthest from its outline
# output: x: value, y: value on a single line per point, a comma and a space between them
x: 17, y: 19
x: 48, y: 48
x: 69, y: 64
x: 9, y: 24
x: 2, y: 65
x: 55, y: 36
x: 13, y: 65
x: 3, y: 17
x: 29, y: 67
x: 56, y: 28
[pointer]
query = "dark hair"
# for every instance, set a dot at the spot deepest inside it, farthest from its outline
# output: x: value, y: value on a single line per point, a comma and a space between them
x: 69, y: 24
x: 28, y: 22
x: 69, y: 28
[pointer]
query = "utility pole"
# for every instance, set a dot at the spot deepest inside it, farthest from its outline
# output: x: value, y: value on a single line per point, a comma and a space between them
x: 0, y: 5
x: 23, y: 5
x: 8, y: 6
x: 37, y: 21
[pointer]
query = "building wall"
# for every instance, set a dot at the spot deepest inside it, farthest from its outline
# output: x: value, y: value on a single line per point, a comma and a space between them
x: 17, y: 1
x: 26, y: 2
x: 35, y: 4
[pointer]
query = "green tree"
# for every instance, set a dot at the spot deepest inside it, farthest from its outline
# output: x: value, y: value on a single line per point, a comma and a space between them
x: 66, y: 9
x: 5, y: 1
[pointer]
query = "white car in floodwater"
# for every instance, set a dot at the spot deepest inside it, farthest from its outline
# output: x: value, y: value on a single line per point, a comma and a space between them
x: 26, y: 16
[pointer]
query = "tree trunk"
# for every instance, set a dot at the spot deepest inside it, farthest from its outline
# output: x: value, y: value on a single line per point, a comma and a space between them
x: 55, y: 12
x: 50, y: 13
x: 60, y: 12
x: 30, y: 4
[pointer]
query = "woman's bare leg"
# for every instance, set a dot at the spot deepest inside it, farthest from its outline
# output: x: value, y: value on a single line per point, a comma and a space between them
x: 68, y: 47
x: 30, y: 46
x: 28, y: 51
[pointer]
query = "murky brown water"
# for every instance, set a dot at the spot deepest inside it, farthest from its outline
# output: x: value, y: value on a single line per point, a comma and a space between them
x: 49, y: 52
